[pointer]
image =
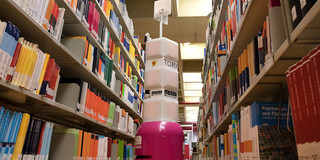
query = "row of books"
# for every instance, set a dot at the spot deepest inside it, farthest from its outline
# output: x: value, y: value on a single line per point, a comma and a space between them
x: 85, y: 99
x: 70, y: 143
x: 123, y: 9
x: 251, y: 61
x: 46, y: 13
x: 303, y: 85
x: 299, y: 10
x: 91, y: 18
x: 258, y: 131
x: 23, y: 63
x: 23, y: 137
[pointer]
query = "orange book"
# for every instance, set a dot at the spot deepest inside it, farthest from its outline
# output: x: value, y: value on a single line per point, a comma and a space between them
x: 45, y: 24
x: 84, y: 145
x: 86, y: 108
x: 96, y: 143
x: 107, y: 110
x: 92, y: 144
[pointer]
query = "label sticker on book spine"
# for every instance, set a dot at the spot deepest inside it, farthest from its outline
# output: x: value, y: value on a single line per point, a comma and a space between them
x: 303, y: 3
x: 294, y: 13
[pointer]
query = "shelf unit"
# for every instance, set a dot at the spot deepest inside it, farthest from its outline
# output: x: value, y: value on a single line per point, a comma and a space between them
x: 126, y: 29
x: 47, y: 109
x: 271, y: 78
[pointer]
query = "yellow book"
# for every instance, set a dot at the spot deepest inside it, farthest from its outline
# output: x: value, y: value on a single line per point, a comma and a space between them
x: 34, y: 58
x: 21, y: 136
x: 89, y: 57
x: 131, y: 51
x: 26, y: 64
x: 19, y: 61
x: 43, y: 72
x: 138, y: 65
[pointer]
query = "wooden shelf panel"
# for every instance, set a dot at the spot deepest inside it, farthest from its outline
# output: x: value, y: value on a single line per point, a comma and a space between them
x: 19, y: 99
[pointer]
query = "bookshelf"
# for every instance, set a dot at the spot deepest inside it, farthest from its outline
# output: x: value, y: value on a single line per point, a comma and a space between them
x: 22, y: 100
x: 271, y: 80
x: 126, y: 30
x: 75, y: 27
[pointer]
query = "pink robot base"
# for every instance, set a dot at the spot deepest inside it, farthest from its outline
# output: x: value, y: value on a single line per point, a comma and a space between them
x: 159, y: 141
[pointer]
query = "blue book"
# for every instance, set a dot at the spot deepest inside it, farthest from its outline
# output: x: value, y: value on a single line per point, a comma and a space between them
x: 4, y: 128
x: 6, y: 36
x: 8, y: 134
x: 1, y: 113
x: 44, y: 139
x: 266, y: 113
x: 9, y: 151
x: 47, y: 149
x: 234, y: 135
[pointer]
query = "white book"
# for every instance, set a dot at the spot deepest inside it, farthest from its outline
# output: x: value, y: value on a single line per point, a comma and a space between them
x: 59, y: 25
x: 83, y: 97
x: 36, y: 80
x: 249, y: 130
x: 43, y: 11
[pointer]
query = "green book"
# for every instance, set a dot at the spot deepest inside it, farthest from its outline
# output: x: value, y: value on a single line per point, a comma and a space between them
x: 123, y: 90
x: 110, y: 64
x: 106, y: 69
x: 120, y: 150
x: 111, y: 113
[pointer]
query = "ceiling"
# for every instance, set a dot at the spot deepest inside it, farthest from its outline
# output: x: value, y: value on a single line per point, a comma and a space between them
x: 180, y: 29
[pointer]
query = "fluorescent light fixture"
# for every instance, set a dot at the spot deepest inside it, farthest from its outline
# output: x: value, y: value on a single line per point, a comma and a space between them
x: 192, y: 50
x: 192, y: 86
x: 191, y: 77
x: 193, y: 8
x: 192, y: 109
x: 192, y: 93
x: 192, y: 99
x: 192, y: 118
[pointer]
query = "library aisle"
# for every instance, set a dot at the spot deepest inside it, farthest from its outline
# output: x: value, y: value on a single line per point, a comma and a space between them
x: 159, y: 80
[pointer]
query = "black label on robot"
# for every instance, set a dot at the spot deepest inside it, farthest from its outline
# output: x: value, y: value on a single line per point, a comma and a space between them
x: 171, y: 94
x: 171, y: 64
x: 155, y: 93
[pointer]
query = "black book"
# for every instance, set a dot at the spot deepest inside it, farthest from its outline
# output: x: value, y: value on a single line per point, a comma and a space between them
x: 306, y: 5
x: 296, y: 13
x: 96, y: 57
x: 35, y: 143
x: 256, y: 55
x: 27, y: 141
x: 100, y: 32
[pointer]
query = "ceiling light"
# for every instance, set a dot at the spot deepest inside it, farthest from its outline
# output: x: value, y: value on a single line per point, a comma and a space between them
x: 192, y: 99
x: 192, y: 86
x: 192, y: 93
x: 187, y: 43
x: 191, y: 77
x: 192, y: 50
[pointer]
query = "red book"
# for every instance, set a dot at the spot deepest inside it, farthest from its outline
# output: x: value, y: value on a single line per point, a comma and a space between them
x: 109, y: 147
x: 41, y: 138
x: 315, y: 80
x: 293, y: 102
x: 96, y: 23
x: 122, y: 37
x: 53, y: 80
x: 46, y: 78
x: 310, y: 104
x: 14, y: 62
x: 90, y: 15
x: 300, y: 101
